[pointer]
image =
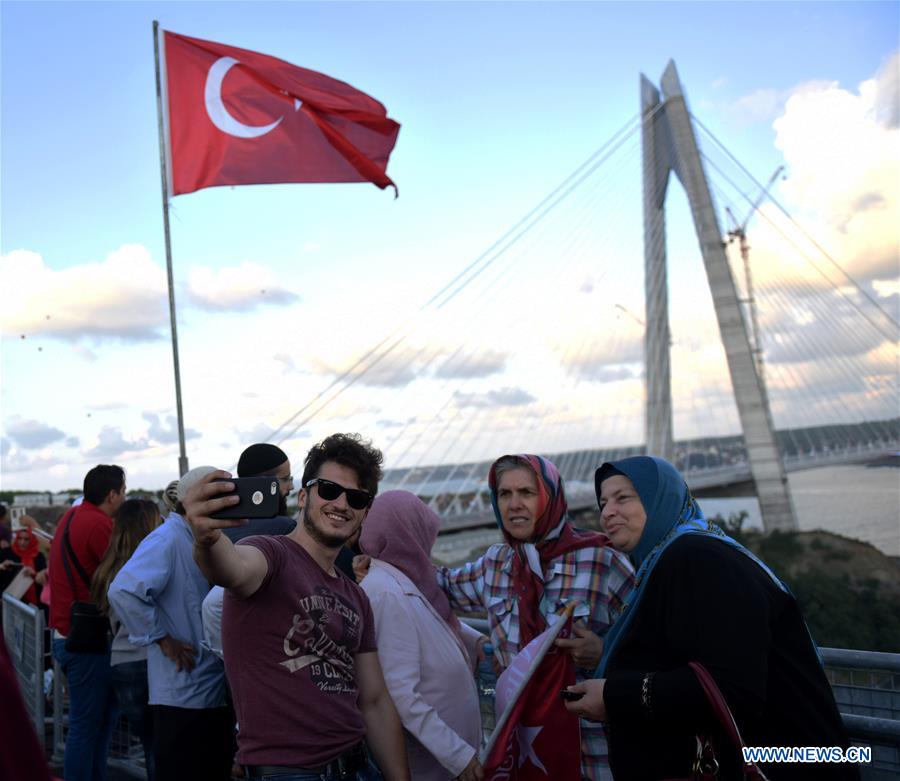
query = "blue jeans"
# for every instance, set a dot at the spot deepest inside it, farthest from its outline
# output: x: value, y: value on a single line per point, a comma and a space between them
x: 371, y: 773
x: 130, y: 684
x: 92, y: 713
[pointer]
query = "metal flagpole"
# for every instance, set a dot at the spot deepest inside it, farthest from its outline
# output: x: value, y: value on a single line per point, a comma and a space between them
x: 163, y: 170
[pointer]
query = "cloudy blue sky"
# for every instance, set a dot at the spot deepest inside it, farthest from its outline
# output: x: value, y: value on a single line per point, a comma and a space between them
x: 281, y: 288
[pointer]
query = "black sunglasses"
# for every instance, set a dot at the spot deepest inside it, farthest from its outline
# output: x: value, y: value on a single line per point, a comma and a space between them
x: 329, y: 491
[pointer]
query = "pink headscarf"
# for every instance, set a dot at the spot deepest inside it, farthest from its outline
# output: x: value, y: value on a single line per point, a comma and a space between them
x: 401, y: 529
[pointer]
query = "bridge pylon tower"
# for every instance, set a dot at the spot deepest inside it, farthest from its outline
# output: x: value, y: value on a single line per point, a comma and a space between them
x: 669, y: 144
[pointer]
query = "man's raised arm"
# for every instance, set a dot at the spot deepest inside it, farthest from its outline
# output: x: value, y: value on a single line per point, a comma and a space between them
x: 240, y: 569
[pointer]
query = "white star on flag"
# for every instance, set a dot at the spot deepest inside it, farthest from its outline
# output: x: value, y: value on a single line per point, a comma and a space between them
x: 526, y: 737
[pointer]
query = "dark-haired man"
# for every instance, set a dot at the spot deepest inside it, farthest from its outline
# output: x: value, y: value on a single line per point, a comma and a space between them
x: 91, y: 701
x: 265, y: 460
x: 259, y: 460
x: 298, y: 635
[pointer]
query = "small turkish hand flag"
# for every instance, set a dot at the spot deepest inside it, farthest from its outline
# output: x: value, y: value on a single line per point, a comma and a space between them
x: 239, y: 117
x: 536, y: 738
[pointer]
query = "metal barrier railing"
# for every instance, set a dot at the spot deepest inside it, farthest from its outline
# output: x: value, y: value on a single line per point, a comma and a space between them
x: 28, y: 639
x: 866, y: 687
x: 23, y: 632
x: 125, y: 750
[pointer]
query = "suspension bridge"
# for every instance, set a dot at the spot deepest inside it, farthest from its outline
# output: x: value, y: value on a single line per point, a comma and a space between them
x: 615, y: 316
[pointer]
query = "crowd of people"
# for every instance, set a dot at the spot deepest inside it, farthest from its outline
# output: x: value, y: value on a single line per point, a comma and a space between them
x: 329, y: 646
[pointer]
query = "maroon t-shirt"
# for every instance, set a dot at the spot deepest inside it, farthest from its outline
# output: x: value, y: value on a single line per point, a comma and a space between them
x: 289, y: 652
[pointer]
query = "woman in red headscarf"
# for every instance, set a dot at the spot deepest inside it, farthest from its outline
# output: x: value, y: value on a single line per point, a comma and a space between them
x: 543, y: 564
x: 27, y: 549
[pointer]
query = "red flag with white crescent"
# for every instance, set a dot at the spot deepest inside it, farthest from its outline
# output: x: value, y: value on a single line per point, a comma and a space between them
x: 535, y: 738
x: 235, y: 116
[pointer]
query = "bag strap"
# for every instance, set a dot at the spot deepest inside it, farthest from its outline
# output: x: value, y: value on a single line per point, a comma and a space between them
x: 725, y: 718
x: 68, y: 549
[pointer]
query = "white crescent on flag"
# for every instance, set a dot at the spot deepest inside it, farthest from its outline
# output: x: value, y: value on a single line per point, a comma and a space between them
x: 216, y: 110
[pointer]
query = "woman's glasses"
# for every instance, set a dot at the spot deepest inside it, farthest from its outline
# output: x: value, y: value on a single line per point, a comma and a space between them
x: 329, y: 491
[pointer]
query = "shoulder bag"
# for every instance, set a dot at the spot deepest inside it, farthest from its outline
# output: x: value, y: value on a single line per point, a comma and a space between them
x: 89, y: 631
x: 706, y: 766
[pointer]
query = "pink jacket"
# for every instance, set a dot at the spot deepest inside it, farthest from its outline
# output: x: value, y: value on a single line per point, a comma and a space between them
x: 428, y: 673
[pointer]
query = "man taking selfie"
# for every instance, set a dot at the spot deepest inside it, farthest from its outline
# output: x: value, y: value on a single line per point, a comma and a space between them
x: 298, y: 635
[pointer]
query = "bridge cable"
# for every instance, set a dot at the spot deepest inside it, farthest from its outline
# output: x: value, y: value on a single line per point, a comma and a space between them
x: 547, y: 204
x: 799, y: 227
x: 806, y: 257
x: 572, y: 250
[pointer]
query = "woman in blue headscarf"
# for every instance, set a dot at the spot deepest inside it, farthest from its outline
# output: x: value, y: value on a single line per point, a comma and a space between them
x: 700, y: 597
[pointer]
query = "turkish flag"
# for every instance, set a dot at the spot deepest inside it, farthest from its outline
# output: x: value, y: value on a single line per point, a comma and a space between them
x: 536, y: 738
x: 239, y: 117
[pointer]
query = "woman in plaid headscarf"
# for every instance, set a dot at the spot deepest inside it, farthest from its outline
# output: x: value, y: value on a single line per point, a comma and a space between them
x: 543, y: 564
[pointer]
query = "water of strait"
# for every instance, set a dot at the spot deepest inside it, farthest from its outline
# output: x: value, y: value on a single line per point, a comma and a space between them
x: 853, y: 501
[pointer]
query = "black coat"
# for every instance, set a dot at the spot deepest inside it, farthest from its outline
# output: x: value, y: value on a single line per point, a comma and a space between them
x: 707, y: 602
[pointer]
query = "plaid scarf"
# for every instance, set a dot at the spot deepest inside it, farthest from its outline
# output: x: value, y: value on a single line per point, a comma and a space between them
x: 553, y: 536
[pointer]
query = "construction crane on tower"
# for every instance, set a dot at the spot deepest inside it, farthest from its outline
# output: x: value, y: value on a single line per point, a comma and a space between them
x: 739, y: 232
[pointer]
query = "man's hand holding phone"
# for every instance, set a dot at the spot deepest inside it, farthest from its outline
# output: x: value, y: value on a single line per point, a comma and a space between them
x: 242, y: 568
x: 206, y: 497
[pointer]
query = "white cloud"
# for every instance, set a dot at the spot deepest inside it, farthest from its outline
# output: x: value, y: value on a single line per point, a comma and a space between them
x: 887, y: 288
x: 32, y: 434
x: 14, y: 459
x: 869, y: 392
x: 393, y: 369
x: 165, y: 432
x: 387, y: 423
x: 237, y: 288
x: 158, y: 435
x: 286, y: 361
x: 482, y: 364
x: 261, y: 432
x: 761, y: 105
x: 109, y: 406
x: 396, y: 367
x: 503, y: 397
x: 111, y: 443
x: 887, y: 92
x: 843, y: 160
x: 611, y: 360
x: 841, y: 147
x: 122, y: 297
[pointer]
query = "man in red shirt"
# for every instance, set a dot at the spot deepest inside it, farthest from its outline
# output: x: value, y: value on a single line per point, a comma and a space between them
x: 91, y: 700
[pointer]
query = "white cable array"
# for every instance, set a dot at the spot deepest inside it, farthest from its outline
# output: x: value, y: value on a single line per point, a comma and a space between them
x: 564, y: 350
x: 788, y: 288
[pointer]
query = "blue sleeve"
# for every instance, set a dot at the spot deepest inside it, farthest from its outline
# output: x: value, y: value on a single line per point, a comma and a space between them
x: 134, y: 591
